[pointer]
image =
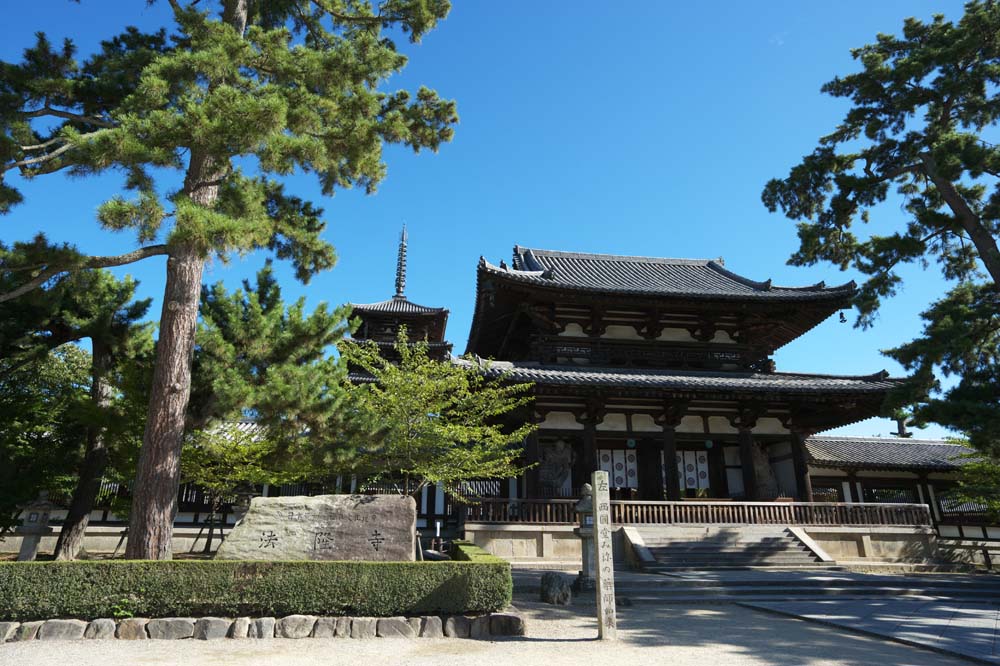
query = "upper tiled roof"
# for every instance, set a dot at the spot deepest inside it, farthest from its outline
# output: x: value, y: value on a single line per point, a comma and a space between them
x: 685, y: 278
x: 750, y: 382
x: 396, y: 305
x: 884, y: 453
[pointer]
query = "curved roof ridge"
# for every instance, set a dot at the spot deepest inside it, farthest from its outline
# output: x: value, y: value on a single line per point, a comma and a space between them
x: 763, y: 286
x: 881, y: 374
x: 520, y: 250
x: 399, y: 304
x: 874, y: 439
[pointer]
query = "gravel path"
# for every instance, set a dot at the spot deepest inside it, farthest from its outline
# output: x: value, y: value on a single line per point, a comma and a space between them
x: 679, y: 635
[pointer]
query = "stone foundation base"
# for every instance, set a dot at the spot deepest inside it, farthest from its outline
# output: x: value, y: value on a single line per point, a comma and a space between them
x: 490, y: 625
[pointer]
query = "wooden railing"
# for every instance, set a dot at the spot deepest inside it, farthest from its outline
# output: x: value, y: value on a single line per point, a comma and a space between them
x: 768, y: 513
x: 553, y: 512
x: 703, y: 513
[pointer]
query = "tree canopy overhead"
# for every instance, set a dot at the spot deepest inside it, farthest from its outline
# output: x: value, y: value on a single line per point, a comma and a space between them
x: 231, y: 96
x: 921, y: 126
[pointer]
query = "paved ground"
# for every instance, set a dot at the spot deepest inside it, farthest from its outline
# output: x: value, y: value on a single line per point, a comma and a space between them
x: 677, y: 635
x: 960, y: 627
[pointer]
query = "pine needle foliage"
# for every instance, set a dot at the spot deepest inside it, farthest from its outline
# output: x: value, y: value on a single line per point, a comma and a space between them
x: 924, y: 107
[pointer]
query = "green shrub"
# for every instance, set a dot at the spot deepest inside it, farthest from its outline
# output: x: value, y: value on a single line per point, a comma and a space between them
x: 476, y: 582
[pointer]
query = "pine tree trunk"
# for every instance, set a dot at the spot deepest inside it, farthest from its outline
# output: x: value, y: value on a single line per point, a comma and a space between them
x: 154, y: 493
x: 95, y: 460
x: 157, y: 478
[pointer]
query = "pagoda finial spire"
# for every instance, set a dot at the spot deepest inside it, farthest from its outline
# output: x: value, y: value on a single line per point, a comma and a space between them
x: 401, y: 264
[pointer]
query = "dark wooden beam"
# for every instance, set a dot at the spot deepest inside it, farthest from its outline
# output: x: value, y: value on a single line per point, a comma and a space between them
x: 803, y: 483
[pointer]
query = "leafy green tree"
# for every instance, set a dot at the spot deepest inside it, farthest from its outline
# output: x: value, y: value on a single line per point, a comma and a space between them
x: 289, y: 84
x: 432, y: 421
x: 979, y: 484
x: 226, y: 459
x: 41, y: 434
x: 921, y: 107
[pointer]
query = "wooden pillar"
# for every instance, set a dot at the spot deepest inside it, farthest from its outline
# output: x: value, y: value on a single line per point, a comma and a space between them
x: 746, y: 462
x: 531, y: 456
x: 589, y: 447
x: 673, y: 489
x: 591, y: 416
x: 803, y: 483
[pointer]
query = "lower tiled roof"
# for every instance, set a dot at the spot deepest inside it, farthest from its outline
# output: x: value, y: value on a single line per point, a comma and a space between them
x: 752, y: 382
x: 885, y: 453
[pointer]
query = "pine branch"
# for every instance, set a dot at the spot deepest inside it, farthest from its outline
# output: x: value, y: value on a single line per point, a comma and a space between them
x: 47, y: 157
x: 67, y: 115
x: 89, y: 262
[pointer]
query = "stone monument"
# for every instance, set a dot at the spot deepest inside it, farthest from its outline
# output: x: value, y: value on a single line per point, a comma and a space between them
x: 325, y: 527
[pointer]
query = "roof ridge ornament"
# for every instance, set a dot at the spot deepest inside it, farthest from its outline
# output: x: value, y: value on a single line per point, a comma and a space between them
x: 401, y: 264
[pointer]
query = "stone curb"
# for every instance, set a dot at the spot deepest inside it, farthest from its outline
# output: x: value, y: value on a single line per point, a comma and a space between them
x: 508, y: 622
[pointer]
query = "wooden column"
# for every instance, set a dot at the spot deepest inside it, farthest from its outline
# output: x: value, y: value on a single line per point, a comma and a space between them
x: 745, y: 439
x: 803, y: 483
x: 589, y: 447
x: 531, y: 456
x: 591, y: 416
x: 671, y: 416
x: 673, y: 489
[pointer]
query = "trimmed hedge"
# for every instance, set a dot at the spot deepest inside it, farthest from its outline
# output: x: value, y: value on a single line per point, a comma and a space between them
x: 475, y: 582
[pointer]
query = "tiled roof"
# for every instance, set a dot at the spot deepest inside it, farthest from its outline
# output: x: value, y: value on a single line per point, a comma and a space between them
x: 397, y: 305
x: 685, y: 278
x: 750, y: 382
x: 884, y: 452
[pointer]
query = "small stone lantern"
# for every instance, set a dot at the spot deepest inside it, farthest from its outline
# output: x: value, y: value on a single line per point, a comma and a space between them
x: 585, y: 509
x: 35, y: 525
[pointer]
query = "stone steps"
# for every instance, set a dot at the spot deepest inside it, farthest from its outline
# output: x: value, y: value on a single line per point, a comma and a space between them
x: 725, y: 548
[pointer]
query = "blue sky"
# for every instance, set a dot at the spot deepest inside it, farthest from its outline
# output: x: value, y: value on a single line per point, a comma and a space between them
x: 626, y: 128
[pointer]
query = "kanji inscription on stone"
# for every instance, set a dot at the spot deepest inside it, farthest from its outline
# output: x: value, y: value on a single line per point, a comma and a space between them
x: 323, y: 541
x: 607, y: 620
x: 325, y: 527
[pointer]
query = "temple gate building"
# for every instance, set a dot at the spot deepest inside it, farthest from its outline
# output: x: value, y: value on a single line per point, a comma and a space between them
x: 659, y: 371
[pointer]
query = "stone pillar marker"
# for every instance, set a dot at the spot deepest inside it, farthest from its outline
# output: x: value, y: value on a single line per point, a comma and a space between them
x: 607, y: 618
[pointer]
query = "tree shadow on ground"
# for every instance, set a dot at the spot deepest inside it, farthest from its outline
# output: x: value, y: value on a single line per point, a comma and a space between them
x: 734, y: 630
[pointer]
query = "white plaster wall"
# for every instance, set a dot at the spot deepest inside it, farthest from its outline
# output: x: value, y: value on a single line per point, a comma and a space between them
x: 675, y: 335
x: 614, y: 423
x: 769, y: 425
x: 720, y: 425
x: 722, y: 337
x: 691, y: 424
x: 618, y: 332
x: 644, y: 423
x: 560, y: 421
x: 573, y: 330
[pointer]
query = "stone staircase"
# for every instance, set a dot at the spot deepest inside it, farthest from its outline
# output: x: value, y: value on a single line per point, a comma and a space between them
x: 775, y: 585
x: 710, y: 547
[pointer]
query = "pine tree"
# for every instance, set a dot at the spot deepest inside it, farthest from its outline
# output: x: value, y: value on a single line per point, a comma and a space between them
x: 260, y: 358
x: 920, y: 108
x: 295, y: 84
x: 89, y: 305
